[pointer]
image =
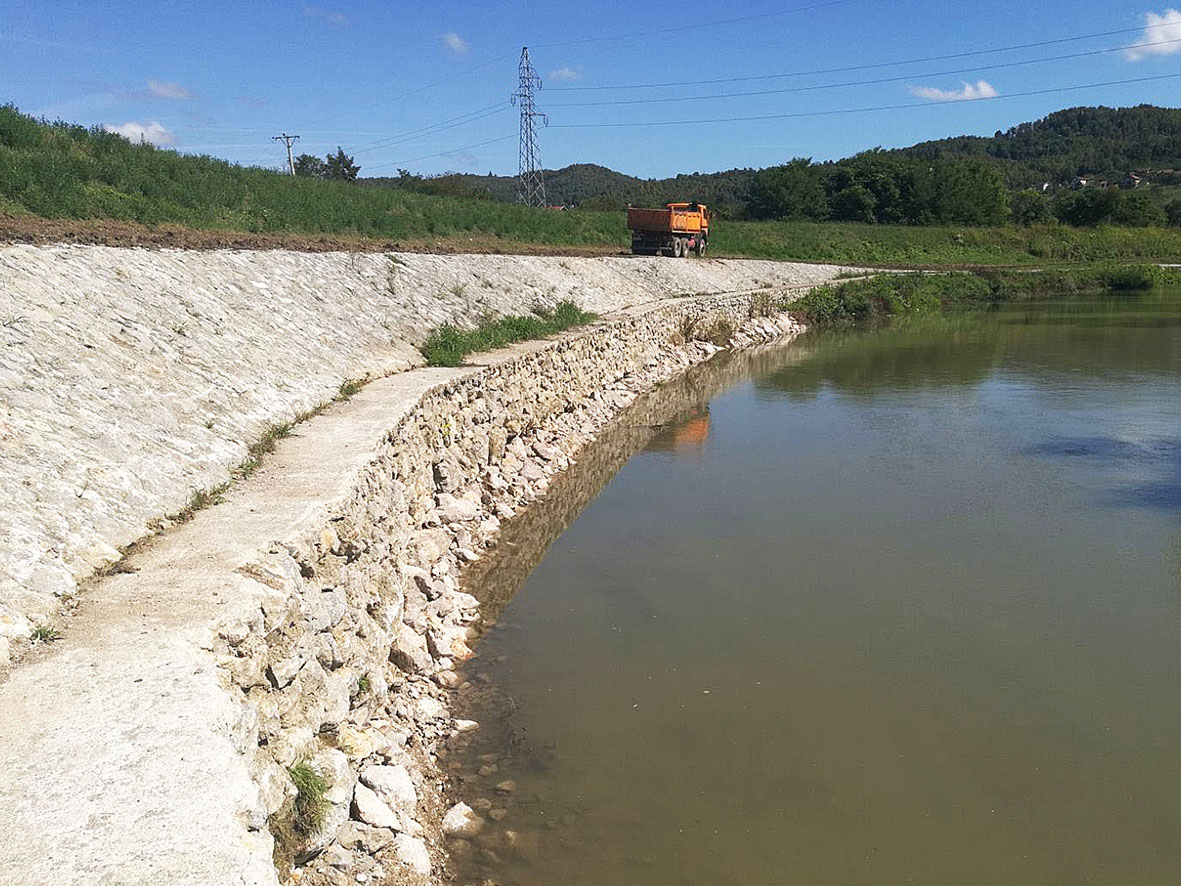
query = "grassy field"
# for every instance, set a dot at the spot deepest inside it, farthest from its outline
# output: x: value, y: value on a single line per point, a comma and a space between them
x: 63, y: 172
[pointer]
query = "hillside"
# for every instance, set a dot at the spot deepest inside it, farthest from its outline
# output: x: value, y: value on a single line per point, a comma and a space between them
x: 1100, y: 141
x: 590, y: 186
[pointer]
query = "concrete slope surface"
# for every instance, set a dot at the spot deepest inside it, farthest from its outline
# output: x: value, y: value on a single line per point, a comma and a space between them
x: 130, y: 378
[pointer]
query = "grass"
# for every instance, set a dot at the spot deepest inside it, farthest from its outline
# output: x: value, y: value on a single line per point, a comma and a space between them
x: 449, y: 345
x: 45, y: 634
x: 61, y: 171
x: 303, y: 817
x: 311, y: 802
x: 259, y: 450
x: 878, y: 298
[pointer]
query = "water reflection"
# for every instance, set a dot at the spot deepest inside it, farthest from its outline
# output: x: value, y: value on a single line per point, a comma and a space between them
x: 891, y: 607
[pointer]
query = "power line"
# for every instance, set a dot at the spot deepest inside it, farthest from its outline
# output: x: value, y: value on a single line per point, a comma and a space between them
x: 677, y: 28
x: 412, y: 92
x: 841, y: 111
x: 287, y: 140
x: 422, y: 132
x: 871, y: 82
x: 530, y: 178
x: 866, y: 67
x: 491, y: 141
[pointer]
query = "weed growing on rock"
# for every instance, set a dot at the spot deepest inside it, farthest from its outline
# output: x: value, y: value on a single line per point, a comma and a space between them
x: 719, y: 332
x: 762, y: 305
x: 348, y: 387
x: 311, y: 802
x: 448, y: 345
x: 45, y: 634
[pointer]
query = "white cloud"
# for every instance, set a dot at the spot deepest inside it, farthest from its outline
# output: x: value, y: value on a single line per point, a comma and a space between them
x: 336, y: 18
x: 565, y: 73
x: 163, y: 89
x: 967, y: 93
x: 456, y: 43
x: 153, y: 133
x: 1158, y: 29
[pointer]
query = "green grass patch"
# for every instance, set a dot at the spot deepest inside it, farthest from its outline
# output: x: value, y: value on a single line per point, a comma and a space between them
x: 311, y: 802
x: 449, y: 345
x: 45, y: 634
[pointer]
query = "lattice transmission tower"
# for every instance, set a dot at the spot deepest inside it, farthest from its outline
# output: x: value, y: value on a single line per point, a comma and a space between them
x: 530, y: 181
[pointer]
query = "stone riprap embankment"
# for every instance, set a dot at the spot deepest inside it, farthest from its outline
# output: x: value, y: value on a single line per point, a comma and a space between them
x: 315, y: 615
x: 131, y: 378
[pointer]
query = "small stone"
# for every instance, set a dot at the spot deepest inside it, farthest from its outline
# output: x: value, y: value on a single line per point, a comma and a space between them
x: 369, y: 808
x: 507, y: 786
x: 498, y: 814
x: 489, y: 769
x: 368, y: 839
x: 393, y: 786
x: 412, y: 852
x: 338, y: 857
x: 462, y: 821
x: 456, y: 510
x: 483, y: 804
x: 466, y: 725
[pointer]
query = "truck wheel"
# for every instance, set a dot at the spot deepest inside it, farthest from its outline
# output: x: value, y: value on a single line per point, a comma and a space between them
x: 678, y: 247
x: 700, y: 247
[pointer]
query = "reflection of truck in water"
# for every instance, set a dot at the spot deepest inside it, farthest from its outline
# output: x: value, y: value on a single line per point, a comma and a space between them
x: 676, y: 230
x: 688, y: 434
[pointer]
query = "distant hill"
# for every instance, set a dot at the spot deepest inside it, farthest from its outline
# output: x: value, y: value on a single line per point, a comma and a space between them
x: 592, y: 187
x: 1101, y: 142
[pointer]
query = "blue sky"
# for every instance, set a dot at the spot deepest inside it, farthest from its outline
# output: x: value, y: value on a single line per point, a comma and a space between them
x: 220, y: 78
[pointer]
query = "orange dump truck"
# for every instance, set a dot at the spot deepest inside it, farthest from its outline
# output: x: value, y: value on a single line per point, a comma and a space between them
x: 675, y: 230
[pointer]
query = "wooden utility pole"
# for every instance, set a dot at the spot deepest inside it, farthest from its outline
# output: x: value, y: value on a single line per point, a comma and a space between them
x: 287, y: 140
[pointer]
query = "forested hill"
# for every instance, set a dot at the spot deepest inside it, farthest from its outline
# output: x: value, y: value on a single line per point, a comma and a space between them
x: 1101, y: 142
x: 590, y: 186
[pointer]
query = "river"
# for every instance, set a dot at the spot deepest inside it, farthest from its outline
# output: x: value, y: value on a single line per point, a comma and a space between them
x: 895, y: 606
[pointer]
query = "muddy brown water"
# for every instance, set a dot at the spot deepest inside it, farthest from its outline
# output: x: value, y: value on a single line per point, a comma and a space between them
x: 891, y: 607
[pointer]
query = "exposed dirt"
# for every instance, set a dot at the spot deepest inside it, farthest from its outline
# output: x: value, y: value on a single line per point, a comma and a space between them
x: 107, y: 232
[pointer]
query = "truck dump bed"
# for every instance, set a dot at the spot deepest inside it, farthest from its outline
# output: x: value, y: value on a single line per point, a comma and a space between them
x: 665, y: 221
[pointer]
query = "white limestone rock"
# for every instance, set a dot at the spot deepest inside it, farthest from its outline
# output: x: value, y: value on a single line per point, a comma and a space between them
x: 371, y: 809
x: 462, y: 821
x: 412, y: 852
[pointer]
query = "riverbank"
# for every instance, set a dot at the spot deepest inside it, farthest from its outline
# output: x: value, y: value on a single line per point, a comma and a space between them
x: 605, y: 234
x: 310, y: 620
x: 877, y: 299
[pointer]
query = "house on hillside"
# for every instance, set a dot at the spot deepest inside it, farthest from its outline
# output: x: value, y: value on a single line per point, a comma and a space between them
x: 1130, y: 181
x: 1079, y: 183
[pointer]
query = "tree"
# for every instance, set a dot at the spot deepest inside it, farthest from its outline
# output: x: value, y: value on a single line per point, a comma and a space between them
x: 340, y: 166
x: 794, y: 191
x: 970, y: 192
x: 1031, y: 207
x: 309, y: 166
x: 1137, y: 209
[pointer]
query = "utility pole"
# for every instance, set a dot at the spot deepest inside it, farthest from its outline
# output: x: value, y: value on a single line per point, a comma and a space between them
x: 530, y: 181
x: 287, y: 140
